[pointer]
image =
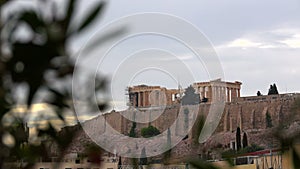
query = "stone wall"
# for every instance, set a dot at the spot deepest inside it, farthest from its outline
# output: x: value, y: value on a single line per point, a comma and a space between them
x: 248, y: 113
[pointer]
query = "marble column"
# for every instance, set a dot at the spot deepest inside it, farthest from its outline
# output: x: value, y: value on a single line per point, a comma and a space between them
x: 209, y: 95
x: 202, y: 92
x: 233, y: 94
x: 213, y: 93
x: 141, y: 99
x: 228, y: 94
x: 222, y: 94
x: 218, y: 93
x: 147, y: 98
x: 144, y: 99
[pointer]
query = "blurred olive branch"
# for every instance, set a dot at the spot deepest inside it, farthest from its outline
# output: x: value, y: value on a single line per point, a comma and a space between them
x: 28, y: 61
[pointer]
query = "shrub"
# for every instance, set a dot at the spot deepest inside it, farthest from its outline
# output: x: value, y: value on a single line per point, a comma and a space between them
x: 132, y: 130
x: 149, y: 131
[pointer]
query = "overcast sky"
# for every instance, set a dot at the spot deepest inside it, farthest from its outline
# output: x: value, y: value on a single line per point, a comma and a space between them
x: 257, y: 42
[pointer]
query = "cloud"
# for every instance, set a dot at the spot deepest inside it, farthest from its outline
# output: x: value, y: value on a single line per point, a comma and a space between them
x: 293, y: 42
x: 285, y: 31
x: 243, y: 43
x: 249, y: 43
x: 288, y: 38
x: 255, y: 66
x: 179, y: 57
x: 267, y: 46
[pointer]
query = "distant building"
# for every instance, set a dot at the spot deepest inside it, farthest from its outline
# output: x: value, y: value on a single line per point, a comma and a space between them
x: 143, y: 96
x: 218, y: 90
x: 151, y: 96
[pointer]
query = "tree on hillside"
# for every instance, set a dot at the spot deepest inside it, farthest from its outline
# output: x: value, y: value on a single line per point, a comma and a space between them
x: 132, y: 130
x: 268, y: 120
x: 167, y: 154
x: 273, y: 89
x: 190, y: 97
x: 169, y: 141
x: 258, y: 93
x: 186, y: 120
x: 149, y: 131
x: 120, y: 162
x: 238, y: 139
x: 143, y: 159
x: 245, y: 140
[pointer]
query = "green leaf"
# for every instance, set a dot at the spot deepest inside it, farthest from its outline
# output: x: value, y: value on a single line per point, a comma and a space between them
x: 58, y: 99
x: 50, y: 131
x: 32, y: 19
x: 91, y: 16
x: 35, y: 60
x: 3, y: 2
x: 70, y: 10
x: 102, y: 106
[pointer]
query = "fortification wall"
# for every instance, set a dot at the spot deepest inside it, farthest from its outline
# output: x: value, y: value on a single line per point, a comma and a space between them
x: 248, y: 113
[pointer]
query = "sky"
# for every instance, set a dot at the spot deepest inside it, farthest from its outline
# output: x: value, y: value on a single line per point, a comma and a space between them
x: 257, y: 42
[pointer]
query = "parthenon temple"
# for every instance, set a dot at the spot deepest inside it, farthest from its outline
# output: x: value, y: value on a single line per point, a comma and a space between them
x: 217, y: 90
x: 143, y: 96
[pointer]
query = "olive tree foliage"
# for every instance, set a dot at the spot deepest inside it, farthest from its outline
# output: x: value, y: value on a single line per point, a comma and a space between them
x: 38, y: 63
x: 273, y: 90
x: 238, y: 139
